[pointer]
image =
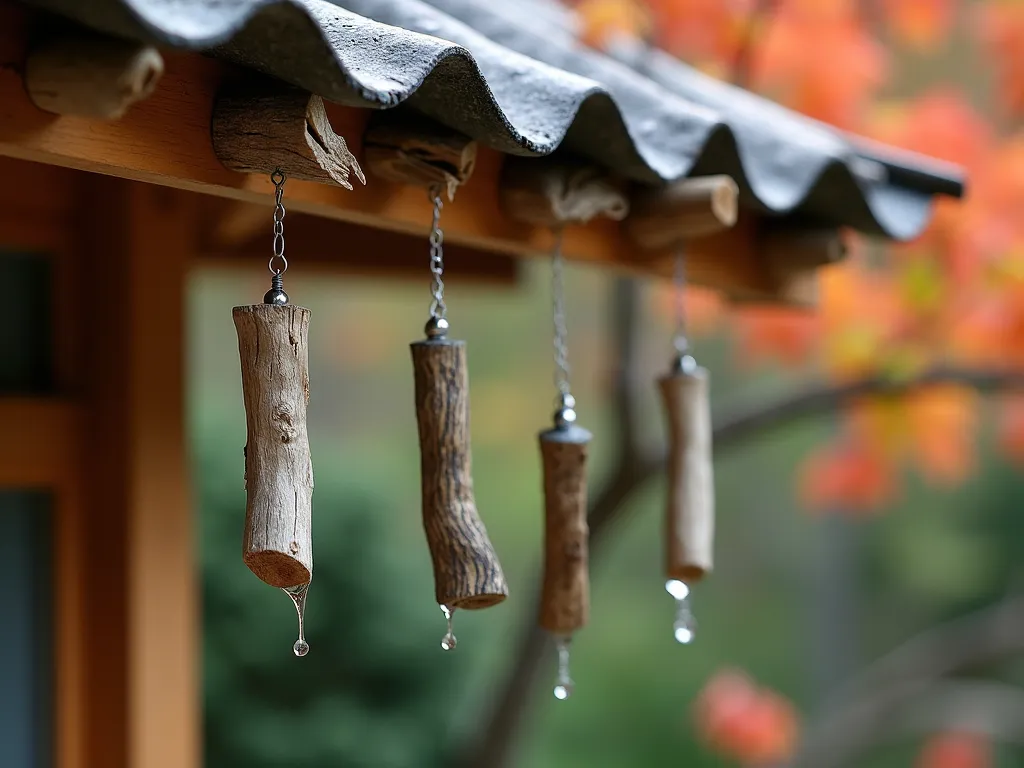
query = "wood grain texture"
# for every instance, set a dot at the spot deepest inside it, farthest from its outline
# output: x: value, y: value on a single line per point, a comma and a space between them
x: 91, y: 75
x: 690, y: 511
x: 467, y: 573
x: 165, y: 139
x: 273, y: 347
x: 690, y: 208
x: 261, y: 125
x: 565, y: 595
x: 407, y: 148
x: 551, y: 192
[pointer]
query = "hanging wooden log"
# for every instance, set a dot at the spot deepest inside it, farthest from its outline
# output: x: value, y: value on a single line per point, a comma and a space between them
x: 91, y: 75
x: 261, y: 125
x: 406, y: 148
x: 548, y: 192
x: 467, y: 573
x: 690, y: 514
x: 565, y: 596
x: 272, y: 344
x: 690, y: 208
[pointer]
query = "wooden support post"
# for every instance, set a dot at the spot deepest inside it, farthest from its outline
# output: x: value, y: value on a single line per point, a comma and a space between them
x: 565, y: 596
x: 142, y: 675
x: 277, y: 544
x: 406, y: 148
x: 687, y: 209
x: 690, y: 513
x: 467, y: 573
x: 91, y: 75
x: 262, y: 125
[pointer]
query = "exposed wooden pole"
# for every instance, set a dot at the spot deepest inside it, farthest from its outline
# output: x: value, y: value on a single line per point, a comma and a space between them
x: 467, y: 573
x: 680, y: 212
x: 261, y: 125
x: 405, y: 148
x: 565, y: 594
x: 91, y: 75
x: 273, y: 343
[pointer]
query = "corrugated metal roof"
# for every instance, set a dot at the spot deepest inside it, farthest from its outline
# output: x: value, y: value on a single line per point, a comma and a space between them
x: 485, y: 70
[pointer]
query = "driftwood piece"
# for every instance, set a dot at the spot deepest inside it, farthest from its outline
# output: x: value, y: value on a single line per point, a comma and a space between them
x: 467, y: 573
x: 410, y: 149
x: 261, y: 126
x: 565, y: 596
x: 272, y: 344
x: 549, y: 193
x: 91, y: 75
x: 687, y: 209
x: 690, y: 513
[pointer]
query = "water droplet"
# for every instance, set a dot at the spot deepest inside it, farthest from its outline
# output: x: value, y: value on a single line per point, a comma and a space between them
x: 297, y: 594
x: 448, y: 642
x: 563, y: 683
x: 685, y: 627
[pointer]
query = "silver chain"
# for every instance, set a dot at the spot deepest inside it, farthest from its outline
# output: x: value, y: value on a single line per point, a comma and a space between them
x: 679, y: 340
x: 558, y: 307
x: 437, y: 305
x: 279, y: 178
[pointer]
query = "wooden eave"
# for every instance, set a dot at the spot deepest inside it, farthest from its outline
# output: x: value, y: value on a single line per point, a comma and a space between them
x: 165, y: 140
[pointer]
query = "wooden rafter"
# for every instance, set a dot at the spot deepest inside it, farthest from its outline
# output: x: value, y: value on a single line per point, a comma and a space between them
x: 165, y: 140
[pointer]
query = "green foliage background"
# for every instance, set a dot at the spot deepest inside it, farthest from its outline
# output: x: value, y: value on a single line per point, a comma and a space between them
x: 799, y: 602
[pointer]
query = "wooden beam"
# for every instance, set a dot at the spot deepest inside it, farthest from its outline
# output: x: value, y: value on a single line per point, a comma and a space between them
x: 141, y: 592
x: 325, y: 246
x: 165, y: 140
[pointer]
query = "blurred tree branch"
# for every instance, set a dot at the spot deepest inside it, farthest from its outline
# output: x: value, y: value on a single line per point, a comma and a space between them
x: 635, y: 465
x: 906, y: 689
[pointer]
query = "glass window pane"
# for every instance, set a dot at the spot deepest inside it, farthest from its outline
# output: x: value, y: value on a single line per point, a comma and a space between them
x: 26, y: 345
x: 26, y: 647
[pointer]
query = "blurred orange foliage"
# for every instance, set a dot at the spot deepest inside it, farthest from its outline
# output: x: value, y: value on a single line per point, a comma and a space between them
x: 956, y: 750
x: 751, y: 724
x: 955, y: 295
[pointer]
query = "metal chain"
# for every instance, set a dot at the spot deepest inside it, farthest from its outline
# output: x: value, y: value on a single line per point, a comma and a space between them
x: 279, y: 178
x: 558, y: 307
x: 681, y: 343
x: 437, y: 305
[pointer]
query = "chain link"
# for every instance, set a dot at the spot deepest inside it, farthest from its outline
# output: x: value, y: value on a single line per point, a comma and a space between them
x: 438, y: 309
x: 278, y: 264
x: 681, y: 343
x: 558, y: 307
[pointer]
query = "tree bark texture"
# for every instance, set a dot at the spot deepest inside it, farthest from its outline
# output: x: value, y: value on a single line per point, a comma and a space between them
x: 411, y: 149
x: 690, y: 513
x: 272, y: 344
x: 467, y: 573
x: 261, y: 125
x: 565, y: 595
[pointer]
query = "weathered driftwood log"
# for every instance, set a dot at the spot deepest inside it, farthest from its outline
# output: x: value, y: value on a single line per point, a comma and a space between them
x: 91, y: 75
x: 690, y: 514
x: 687, y: 209
x: 407, y: 148
x: 467, y: 573
x: 565, y: 596
x: 259, y: 126
x: 272, y: 344
x: 549, y: 193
